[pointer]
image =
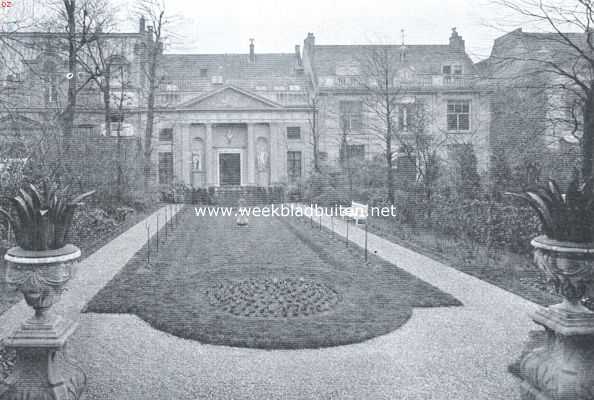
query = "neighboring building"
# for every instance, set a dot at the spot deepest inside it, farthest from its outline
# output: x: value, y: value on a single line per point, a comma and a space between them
x: 440, y: 78
x: 33, y: 86
x: 245, y: 119
x: 537, y: 116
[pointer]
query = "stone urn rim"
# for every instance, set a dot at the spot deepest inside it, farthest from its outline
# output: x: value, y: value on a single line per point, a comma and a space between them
x: 18, y: 255
x: 543, y: 242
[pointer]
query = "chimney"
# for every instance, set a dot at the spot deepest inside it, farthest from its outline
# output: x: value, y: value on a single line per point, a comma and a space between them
x: 402, y: 48
x: 298, y: 55
x: 252, y: 53
x: 456, y: 41
x: 142, y: 24
x: 309, y: 47
x: 310, y: 41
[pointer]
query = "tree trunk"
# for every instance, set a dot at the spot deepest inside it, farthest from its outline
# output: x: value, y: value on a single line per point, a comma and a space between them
x: 150, y: 116
x: 389, y: 171
x: 69, y: 111
x: 588, y: 136
x: 107, y: 103
x: 315, y: 138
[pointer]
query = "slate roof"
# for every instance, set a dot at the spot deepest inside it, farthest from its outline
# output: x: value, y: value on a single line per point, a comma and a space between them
x: 425, y: 59
x: 518, y: 53
x: 278, y: 69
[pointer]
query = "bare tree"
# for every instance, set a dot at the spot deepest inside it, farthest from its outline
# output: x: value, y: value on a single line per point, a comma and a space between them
x: 563, y: 58
x: 104, y: 62
x: 68, y: 28
x: 379, y: 73
x: 81, y: 28
x: 154, y: 12
x: 315, y: 126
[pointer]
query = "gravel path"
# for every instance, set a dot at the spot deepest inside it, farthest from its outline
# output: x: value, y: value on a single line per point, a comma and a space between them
x: 441, y: 353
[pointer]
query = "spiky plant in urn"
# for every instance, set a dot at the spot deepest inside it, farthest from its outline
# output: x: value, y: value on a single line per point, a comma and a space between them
x: 39, y: 267
x: 563, y: 368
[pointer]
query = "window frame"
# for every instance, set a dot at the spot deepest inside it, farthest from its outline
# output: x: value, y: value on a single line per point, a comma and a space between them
x: 166, y: 172
x: 294, y: 164
x: 353, y: 113
x: 457, y: 129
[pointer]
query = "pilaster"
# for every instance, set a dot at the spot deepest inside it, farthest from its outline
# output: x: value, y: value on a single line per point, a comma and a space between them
x: 211, y: 163
x: 251, y: 155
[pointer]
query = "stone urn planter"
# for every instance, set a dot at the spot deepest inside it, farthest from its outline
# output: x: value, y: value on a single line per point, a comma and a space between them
x: 40, y: 341
x: 563, y: 367
x: 40, y: 267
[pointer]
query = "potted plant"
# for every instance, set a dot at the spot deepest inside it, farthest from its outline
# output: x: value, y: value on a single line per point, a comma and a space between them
x: 41, y: 225
x: 565, y: 252
x: 561, y: 367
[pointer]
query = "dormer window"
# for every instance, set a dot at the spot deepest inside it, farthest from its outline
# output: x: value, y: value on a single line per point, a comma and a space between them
x: 451, y: 69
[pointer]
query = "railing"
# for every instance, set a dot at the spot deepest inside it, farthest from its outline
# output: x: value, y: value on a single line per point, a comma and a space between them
x: 420, y: 80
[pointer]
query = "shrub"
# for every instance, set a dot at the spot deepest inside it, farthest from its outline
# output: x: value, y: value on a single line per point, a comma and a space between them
x: 486, y: 222
x: 331, y: 198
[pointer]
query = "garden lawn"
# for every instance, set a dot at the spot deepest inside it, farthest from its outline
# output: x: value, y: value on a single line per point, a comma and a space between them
x: 274, y: 284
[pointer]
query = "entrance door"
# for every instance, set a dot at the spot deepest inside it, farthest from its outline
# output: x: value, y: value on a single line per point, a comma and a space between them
x: 229, y: 169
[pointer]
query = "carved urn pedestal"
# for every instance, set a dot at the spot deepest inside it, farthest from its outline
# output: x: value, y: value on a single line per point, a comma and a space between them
x: 563, y: 367
x: 42, y: 371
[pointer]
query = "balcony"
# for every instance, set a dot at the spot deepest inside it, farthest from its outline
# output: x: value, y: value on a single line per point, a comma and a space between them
x: 422, y: 81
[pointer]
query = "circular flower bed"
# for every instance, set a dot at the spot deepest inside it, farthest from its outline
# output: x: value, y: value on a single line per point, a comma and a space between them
x: 273, y: 298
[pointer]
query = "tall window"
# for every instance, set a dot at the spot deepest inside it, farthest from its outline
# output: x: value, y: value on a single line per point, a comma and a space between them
x: 458, y: 114
x: 351, y: 115
x: 294, y: 165
x: 51, y: 82
x: 166, y: 135
x: 119, y: 71
x: 165, y: 168
x: 404, y: 116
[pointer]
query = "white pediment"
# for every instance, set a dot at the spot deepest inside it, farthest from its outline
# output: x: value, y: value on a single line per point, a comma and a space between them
x: 230, y: 97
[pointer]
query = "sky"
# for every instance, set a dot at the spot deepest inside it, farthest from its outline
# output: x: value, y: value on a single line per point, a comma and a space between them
x: 225, y: 26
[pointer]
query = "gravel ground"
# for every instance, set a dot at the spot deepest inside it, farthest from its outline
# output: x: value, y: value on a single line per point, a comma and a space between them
x: 441, y: 353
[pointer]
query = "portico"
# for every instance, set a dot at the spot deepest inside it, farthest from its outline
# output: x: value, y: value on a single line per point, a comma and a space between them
x: 215, y: 143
